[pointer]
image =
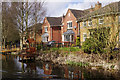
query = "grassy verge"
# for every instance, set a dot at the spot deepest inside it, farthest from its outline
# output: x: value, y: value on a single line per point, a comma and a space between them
x: 72, y: 49
x: 81, y: 64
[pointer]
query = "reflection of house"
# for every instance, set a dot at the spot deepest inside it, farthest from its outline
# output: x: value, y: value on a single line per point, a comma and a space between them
x: 31, y: 67
x: 47, y: 69
x: 70, y: 28
x: 73, y: 74
x: 51, y: 29
x: 107, y: 16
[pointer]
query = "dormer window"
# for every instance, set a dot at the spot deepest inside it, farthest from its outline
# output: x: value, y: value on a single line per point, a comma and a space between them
x: 69, y: 24
x: 84, y: 23
x: 90, y: 23
x: 101, y: 20
x: 46, y: 29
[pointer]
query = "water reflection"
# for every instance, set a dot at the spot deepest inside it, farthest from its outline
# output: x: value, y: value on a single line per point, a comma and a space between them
x: 12, y: 68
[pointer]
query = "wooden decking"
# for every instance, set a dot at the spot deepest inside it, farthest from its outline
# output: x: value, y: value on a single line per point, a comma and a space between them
x: 10, y: 50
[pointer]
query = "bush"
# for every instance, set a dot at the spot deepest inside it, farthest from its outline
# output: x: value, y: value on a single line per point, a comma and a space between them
x: 93, y: 46
x: 98, y: 41
x: 78, y: 41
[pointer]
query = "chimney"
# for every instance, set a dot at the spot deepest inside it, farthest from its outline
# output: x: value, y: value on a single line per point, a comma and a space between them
x: 91, y: 9
x: 98, y: 5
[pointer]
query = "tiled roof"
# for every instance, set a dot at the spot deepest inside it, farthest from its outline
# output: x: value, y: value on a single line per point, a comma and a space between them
x: 79, y: 13
x: 112, y: 7
x: 55, y: 21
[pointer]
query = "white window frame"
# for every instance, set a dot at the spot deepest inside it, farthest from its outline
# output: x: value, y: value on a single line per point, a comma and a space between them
x: 84, y: 38
x: 45, y: 29
x: 68, y: 26
x: 84, y: 23
x: 90, y: 23
x: 101, y: 19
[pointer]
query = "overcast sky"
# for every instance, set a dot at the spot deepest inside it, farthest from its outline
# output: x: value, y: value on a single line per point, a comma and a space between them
x: 56, y: 8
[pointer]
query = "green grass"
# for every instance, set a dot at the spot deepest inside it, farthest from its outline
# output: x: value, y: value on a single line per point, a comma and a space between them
x: 81, y: 64
x: 73, y: 49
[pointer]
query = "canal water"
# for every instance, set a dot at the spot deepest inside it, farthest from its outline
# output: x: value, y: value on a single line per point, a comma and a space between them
x: 12, y: 69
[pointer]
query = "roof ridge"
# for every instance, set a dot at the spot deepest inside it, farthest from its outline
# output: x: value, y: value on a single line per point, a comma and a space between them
x: 76, y: 9
x: 53, y: 17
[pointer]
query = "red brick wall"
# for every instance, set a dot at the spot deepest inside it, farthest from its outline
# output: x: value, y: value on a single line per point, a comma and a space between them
x: 56, y: 34
x: 74, y: 23
x: 46, y: 23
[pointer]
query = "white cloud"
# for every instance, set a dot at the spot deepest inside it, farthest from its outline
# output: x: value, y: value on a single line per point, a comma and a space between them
x: 56, y: 8
x: 103, y: 1
x: 60, y: 8
x: 64, y: 0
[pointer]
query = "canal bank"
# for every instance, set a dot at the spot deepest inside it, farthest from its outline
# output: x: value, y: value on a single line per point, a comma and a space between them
x: 89, y: 61
x: 45, y: 70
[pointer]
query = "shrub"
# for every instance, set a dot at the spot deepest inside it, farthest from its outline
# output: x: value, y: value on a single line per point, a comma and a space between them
x: 97, y: 42
x: 78, y: 41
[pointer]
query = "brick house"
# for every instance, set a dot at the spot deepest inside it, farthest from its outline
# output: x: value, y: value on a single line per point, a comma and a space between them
x: 70, y: 28
x: 107, y: 16
x: 51, y: 29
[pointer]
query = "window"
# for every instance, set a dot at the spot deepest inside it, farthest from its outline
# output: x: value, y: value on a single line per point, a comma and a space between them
x: 84, y: 23
x: 90, y: 23
x: 46, y: 29
x: 45, y: 39
x: 47, y: 67
x: 69, y: 24
x: 84, y: 36
x: 101, y: 20
x: 67, y: 37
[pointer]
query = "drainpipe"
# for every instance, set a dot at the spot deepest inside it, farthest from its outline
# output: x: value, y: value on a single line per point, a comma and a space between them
x: 51, y: 33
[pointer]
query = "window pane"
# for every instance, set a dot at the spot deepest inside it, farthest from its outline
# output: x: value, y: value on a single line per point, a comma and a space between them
x: 69, y: 25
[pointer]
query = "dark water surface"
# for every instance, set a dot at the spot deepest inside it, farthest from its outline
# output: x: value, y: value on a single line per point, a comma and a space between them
x: 12, y: 69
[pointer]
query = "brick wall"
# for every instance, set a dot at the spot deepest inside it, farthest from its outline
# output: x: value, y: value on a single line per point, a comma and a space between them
x: 56, y: 34
x: 46, y: 23
x: 70, y: 17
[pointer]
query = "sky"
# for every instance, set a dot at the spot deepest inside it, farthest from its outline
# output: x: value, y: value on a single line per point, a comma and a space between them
x: 56, y: 8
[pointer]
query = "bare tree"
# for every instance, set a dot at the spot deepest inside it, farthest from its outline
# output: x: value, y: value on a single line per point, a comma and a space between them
x: 38, y: 13
x: 9, y: 29
x: 27, y: 14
